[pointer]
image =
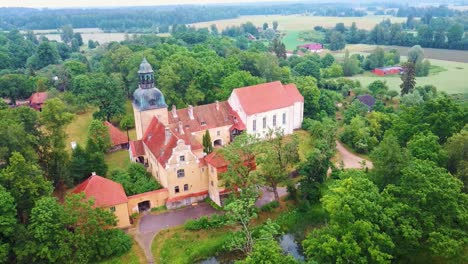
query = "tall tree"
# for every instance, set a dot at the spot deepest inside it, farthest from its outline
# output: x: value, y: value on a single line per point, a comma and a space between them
x: 276, y: 159
x: 275, y: 25
x: 337, y: 41
x: 354, y: 232
x: 207, y: 143
x: 278, y: 48
x: 98, y: 137
x: 8, y: 223
x: 25, y: 182
x: 55, y: 159
x: 66, y: 33
x: 408, y: 78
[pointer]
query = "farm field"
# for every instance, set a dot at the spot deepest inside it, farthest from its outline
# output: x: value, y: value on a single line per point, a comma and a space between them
x: 451, y: 79
x: 439, y: 54
x: 298, y: 22
x: 95, y: 34
x: 291, y: 40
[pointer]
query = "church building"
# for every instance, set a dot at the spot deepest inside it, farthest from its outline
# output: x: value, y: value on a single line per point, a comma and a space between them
x: 169, y: 141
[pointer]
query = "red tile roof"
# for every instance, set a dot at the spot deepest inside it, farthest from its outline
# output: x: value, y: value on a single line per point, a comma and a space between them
x: 104, y: 191
x: 205, y: 117
x: 161, y: 147
x: 216, y: 160
x: 267, y: 96
x: 147, y: 193
x: 137, y: 149
x: 38, y: 98
x: 117, y: 137
x: 312, y: 46
x: 178, y: 198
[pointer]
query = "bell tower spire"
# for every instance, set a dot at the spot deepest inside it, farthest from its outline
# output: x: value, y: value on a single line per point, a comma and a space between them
x: 146, y: 75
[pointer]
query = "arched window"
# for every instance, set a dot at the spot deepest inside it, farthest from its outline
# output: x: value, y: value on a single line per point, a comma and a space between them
x: 180, y: 173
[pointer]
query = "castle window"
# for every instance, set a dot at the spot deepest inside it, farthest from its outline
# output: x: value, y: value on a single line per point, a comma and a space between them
x: 284, y: 118
x: 185, y: 187
x: 176, y: 189
x: 274, y: 120
x: 218, y: 133
x: 180, y: 173
x: 264, y: 122
x: 182, y: 158
x: 112, y: 209
x: 212, y: 183
x: 254, y: 125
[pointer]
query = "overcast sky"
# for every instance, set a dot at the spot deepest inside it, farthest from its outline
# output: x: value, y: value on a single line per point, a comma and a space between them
x: 104, y: 3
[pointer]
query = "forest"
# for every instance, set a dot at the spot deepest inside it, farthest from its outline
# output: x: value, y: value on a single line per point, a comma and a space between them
x: 410, y: 207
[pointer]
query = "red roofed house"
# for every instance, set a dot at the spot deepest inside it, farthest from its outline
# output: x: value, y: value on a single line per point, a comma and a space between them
x: 313, y: 47
x: 106, y: 194
x: 37, y: 100
x: 170, y: 142
x: 118, y: 138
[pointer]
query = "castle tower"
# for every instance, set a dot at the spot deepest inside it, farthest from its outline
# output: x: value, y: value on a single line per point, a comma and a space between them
x: 148, y: 101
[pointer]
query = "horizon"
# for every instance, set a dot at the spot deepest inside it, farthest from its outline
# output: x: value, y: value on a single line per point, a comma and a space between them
x: 57, y: 4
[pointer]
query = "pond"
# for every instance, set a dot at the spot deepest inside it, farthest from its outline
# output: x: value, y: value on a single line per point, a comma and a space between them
x: 287, y: 242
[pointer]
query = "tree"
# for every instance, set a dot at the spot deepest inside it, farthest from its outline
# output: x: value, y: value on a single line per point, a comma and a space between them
x: 55, y: 158
x: 74, y: 232
x: 275, y: 25
x: 240, y: 155
x: 357, y: 135
x: 276, y: 160
x: 75, y: 46
x: 308, y: 68
x: 278, y: 48
x: 454, y: 34
x: 354, y: 232
x: 408, y: 78
x: 8, y: 223
x: 46, y: 55
x: 350, y: 65
x: 135, y: 179
x: 426, y: 147
x: 79, y: 165
x: 16, y: 86
x: 78, y: 38
x: 66, y: 33
x: 388, y: 159
x: 265, y: 26
x: 426, y: 212
x: 314, y: 172
x: 378, y: 88
x: 415, y: 54
x: 26, y: 184
x: 91, y: 44
x: 356, y: 108
x: 207, y: 143
x: 107, y: 93
x: 240, y: 212
x: 457, y: 152
x: 307, y: 86
x: 337, y: 41
x: 98, y: 137
x: 327, y: 60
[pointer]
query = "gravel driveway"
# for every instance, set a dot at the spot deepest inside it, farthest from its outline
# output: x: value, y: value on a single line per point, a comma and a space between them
x: 351, y: 160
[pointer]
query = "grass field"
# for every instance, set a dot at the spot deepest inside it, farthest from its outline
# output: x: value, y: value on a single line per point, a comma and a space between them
x: 298, y: 22
x: 78, y: 130
x: 447, y: 76
x: 438, y: 54
x: 134, y: 256
x: 118, y: 160
x: 292, y: 39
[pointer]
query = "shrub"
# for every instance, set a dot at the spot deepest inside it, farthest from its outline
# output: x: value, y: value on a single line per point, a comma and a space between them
x: 205, y: 222
x: 269, y: 206
x: 213, y: 204
x: 159, y: 208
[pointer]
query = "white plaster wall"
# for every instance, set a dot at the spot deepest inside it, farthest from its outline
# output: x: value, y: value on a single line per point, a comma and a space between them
x: 261, y: 131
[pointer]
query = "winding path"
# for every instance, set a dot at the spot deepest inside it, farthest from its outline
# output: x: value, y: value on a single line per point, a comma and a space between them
x: 351, y: 160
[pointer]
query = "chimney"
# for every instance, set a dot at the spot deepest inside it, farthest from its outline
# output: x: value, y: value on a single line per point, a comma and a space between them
x: 217, y: 105
x: 190, y: 112
x: 181, y: 128
x: 93, y: 173
x: 167, y: 136
x: 174, y: 111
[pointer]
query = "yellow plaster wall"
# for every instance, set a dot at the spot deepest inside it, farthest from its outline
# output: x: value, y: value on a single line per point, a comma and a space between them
x: 143, y: 119
x: 121, y: 212
x: 224, y: 134
x: 156, y: 198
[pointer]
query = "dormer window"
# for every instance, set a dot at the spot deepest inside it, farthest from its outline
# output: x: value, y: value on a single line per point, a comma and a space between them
x: 203, y: 123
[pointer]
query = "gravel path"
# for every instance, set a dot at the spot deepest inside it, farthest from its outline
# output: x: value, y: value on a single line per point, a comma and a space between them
x: 351, y: 160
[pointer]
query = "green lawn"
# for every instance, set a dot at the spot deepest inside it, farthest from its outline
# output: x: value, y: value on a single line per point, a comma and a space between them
x: 447, y: 76
x: 134, y: 256
x: 119, y: 159
x: 78, y: 129
x: 292, y: 38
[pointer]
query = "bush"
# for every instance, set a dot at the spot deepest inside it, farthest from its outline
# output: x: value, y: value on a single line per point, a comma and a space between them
x: 269, y: 206
x: 159, y: 208
x: 205, y: 222
x: 213, y: 204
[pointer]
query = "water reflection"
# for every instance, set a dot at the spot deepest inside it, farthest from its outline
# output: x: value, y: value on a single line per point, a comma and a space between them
x: 290, y: 246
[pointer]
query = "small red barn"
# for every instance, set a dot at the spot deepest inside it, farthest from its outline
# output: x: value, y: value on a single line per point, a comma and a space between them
x: 118, y: 139
x: 388, y: 70
x: 313, y: 47
x: 37, y: 100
